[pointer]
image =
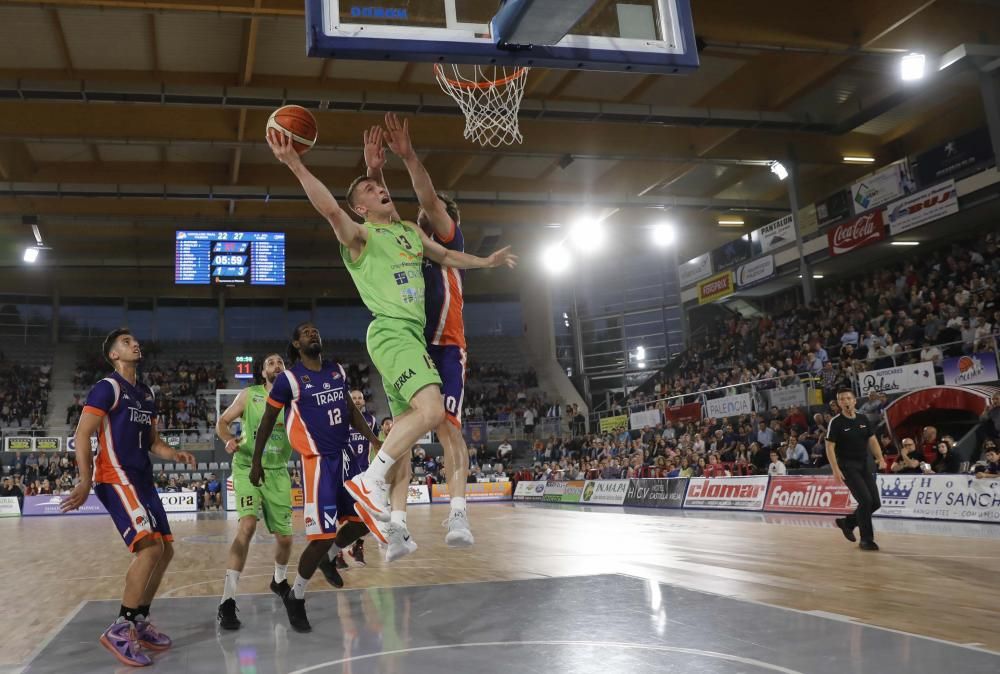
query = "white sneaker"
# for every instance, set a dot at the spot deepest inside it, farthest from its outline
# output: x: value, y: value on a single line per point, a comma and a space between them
x: 372, y: 494
x: 459, y: 534
x: 401, y: 543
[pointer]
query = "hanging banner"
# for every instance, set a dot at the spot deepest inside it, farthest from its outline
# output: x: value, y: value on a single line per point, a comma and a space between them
x: 683, y: 413
x: 976, y: 368
x: 834, y: 208
x: 923, y: 207
x: 774, y: 235
x: 730, y: 406
x: 958, y: 158
x: 857, y: 233
x: 716, y: 287
x: 732, y: 253
x: 897, y: 379
x: 614, y: 424
x: 787, y: 396
x: 604, y: 492
x: 808, y: 220
x: 941, y: 497
x: 695, y: 270
x: 885, y: 185
x: 752, y: 273
x: 638, y: 420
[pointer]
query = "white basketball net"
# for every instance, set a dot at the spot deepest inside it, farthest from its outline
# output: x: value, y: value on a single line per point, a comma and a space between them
x: 489, y: 100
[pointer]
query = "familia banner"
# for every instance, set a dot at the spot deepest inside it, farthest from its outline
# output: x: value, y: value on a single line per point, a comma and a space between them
x: 897, y: 379
x: 657, y: 492
x: 923, y: 207
x: 809, y: 494
x: 730, y: 406
x: 942, y: 497
x: 727, y: 493
x: 976, y: 368
x: 604, y: 492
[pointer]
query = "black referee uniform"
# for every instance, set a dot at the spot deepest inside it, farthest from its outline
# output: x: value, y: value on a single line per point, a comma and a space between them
x: 850, y: 436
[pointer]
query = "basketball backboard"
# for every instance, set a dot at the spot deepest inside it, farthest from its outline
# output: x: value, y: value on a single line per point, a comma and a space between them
x: 653, y: 36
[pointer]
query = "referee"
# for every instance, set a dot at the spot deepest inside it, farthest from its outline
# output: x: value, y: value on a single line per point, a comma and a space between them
x: 849, y: 440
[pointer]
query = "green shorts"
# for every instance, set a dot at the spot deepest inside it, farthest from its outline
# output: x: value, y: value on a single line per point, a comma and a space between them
x: 273, y: 496
x: 399, y: 352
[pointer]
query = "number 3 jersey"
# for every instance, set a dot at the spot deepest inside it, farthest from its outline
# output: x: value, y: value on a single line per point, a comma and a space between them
x: 316, y: 413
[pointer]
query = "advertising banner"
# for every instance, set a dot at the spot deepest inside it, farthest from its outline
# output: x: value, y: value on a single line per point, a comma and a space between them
x: 730, y: 406
x: 417, y: 494
x: 774, y: 235
x: 71, y: 443
x: 787, y: 396
x: 49, y: 505
x: 809, y: 494
x: 695, y: 270
x: 529, y: 490
x: 808, y: 220
x: 48, y: 444
x: 639, y: 420
x: 9, y: 507
x: 479, y: 491
x: 857, y: 233
x: 475, y: 432
x: 727, y: 493
x: 656, y: 492
x: 554, y: 492
x: 683, y: 413
x: 834, y: 208
x: 732, y: 252
x: 958, y: 158
x: 604, y: 492
x: 897, y: 379
x: 17, y: 444
x: 976, y: 368
x: 614, y: 424
x: 179, y: 502
x: 298, y: 499
x: 942, y: 497
x: 752, y: 273
x: 885, y: 185
x: 716, y: 287
x: 923, y: 207
x: 573, y: 491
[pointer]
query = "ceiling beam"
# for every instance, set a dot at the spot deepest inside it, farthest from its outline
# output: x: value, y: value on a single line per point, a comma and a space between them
x: 154, y: 45
x: 458, y: 168
x: 282, y: 8
x: 61, y: 42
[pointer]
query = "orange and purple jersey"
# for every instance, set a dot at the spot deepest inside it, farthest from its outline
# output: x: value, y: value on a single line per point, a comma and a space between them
x: 443, y: 299
x: 317, y: 418
x: 125, y: 435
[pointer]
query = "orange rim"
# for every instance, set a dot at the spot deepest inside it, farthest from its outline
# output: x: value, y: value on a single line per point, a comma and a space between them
x: 478, y: 85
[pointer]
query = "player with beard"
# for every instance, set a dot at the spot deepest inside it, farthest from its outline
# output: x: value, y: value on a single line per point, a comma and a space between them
x: 313, y: 393
x: 274, y: 497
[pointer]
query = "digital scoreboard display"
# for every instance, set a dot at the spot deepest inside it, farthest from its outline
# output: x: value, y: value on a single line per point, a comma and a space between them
x: 244, y: 367
x: 230, y: 258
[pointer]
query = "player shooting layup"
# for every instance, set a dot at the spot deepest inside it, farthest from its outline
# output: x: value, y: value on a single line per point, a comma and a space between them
x: 385, y: 258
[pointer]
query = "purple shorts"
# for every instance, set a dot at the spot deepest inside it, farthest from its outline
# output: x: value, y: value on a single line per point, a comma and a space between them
x: 136, y: 510
x: 450, y: 363
x: 322, y: 484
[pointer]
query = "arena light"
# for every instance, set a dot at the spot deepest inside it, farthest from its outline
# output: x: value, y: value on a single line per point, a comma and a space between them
x: 663, y: 234
x: 778, y: 169
x: 731, y: 222
x: 640, y: 353
x: 30, y: 254
x: 912, y: 66
x: 851, y: 159
x: 587, y: 235
x: 906, y: 243
x: 555, y: 259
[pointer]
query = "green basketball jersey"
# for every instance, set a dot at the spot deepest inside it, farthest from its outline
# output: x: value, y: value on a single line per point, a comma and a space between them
x: 277, y: 451
x: 389, y: 274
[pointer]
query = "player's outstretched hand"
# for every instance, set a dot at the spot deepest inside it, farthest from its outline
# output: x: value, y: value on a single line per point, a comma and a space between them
x: 256, y: 474
x: 281, y: 146
x: 375, y: 148
x: 503, y: 258
x: 398, y: 136
x: 188, y: 458
x: 76, y: 498
x: 233, y: 445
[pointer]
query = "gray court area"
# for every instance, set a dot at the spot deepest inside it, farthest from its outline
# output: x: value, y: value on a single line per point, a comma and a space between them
x: 607, y: 623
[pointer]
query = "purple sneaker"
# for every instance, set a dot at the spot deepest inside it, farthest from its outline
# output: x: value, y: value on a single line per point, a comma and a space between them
x: 122, y: 641
x: 150, y: 637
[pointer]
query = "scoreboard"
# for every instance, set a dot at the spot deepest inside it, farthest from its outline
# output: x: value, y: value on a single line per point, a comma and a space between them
x: 230, y: 258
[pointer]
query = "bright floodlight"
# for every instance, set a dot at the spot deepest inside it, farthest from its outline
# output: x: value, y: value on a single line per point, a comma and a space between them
x: 640, y: 353
x: 586, y: 235
x: 30, y: 254
x: 663, y: 234
x: 778, y: 169
x: 555, y: 259
x: 911, y: 67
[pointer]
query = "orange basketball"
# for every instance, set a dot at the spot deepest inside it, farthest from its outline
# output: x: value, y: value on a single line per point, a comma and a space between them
x: 297, y: 122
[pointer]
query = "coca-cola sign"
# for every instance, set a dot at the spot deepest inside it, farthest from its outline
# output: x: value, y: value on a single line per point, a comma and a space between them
x: 857, y: 233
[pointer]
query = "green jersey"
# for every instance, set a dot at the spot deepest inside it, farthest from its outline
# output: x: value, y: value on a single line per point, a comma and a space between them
x: 277, y: 451
x: 389, y: 273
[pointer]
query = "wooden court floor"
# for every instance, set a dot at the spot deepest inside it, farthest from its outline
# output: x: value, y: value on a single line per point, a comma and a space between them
x: 938, y: 585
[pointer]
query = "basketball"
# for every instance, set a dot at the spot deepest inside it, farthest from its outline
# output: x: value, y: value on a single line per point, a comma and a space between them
x: 297, y: 122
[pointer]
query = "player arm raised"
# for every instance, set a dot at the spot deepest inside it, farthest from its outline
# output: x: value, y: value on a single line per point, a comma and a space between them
x: 264, y: 431
x: 348, y: 232
x: 398, y: 138
x: 458, y: 260
x: 375, y: 155
x: 232, y: 413
x: 360, y: 425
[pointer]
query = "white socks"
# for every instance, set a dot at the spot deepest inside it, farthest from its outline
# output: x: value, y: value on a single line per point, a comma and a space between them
x: 232, y: 580
x: 398, y: 517
x: 380, y: 465
x: 299, y: 587
x: 280, y: 572
x: 458, y: 504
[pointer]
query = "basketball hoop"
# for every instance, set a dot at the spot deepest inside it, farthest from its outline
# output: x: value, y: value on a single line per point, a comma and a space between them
x: 489, y: 103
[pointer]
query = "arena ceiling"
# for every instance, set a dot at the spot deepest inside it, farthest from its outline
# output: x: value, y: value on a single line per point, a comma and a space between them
x: 124, y: 120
